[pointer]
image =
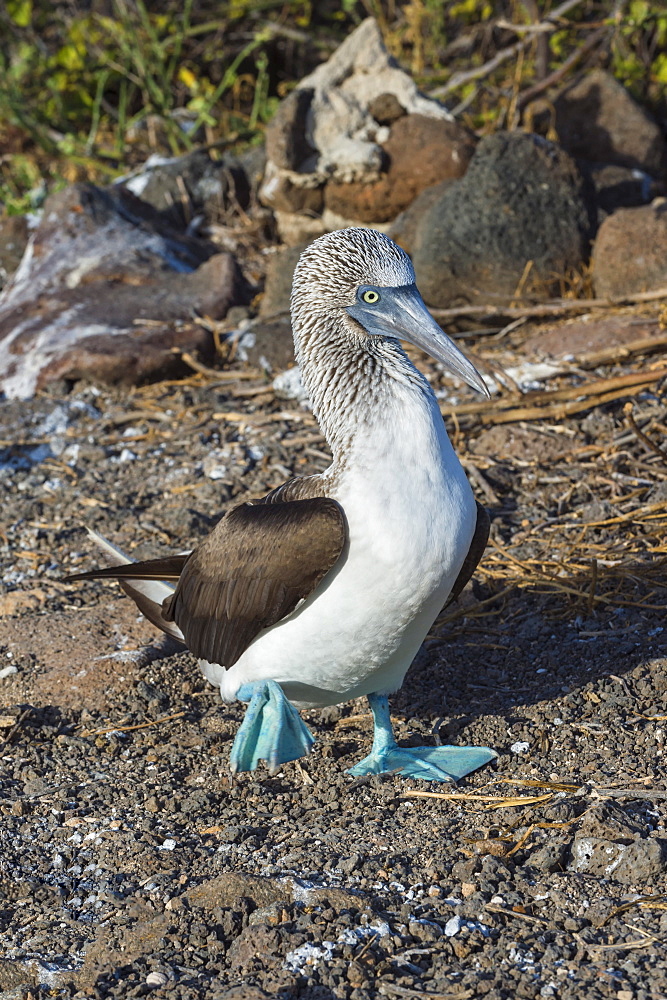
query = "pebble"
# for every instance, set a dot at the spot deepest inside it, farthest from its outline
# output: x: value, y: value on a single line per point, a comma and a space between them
x: 156, y: 979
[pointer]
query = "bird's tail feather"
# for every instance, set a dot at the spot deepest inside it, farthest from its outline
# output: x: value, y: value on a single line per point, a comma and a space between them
x: 116, y: 555
x: 145, y: 582
x: 152, y: 610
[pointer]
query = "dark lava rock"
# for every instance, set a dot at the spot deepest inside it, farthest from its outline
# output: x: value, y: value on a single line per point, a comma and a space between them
x: 15, y: 974
x: 522, y: 199
x: 386, y: 109
x: 639, y: 862
x: 256, y: 944
x: 184, y: 185
x: 615, y: 187
x: 598, y: 120
x: 609, y: 821
x: 286, y: 135
x: 403, y: 229
x: 106, y: 290
x: 550, y: 858
x: 630, y: 253
x: 226, y: 889
x: 229, y: 888
x: 421, y: 151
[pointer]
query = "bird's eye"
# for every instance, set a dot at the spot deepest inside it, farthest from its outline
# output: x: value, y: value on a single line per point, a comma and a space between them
x: 370, y: 296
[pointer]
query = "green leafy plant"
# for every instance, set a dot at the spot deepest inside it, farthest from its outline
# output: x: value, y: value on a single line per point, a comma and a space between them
x: 93, y: 89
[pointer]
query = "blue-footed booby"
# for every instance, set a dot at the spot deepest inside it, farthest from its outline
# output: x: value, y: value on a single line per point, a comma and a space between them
x: 324, y: 589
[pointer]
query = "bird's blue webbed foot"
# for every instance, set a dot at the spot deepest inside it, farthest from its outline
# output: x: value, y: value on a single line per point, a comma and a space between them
x: 427, y: 763
x: 272, y: 729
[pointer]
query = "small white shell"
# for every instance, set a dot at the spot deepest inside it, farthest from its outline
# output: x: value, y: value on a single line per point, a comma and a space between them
x: 156, y: 979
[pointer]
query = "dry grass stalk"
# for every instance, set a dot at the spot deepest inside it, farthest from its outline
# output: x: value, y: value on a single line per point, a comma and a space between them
x: 128, y: 729
x: 489, y: 801
x: 492, y: 908
x: 574, y: 399
x: 556, y: 308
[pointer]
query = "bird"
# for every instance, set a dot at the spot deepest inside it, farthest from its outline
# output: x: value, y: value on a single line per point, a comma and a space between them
x: 323, y: 590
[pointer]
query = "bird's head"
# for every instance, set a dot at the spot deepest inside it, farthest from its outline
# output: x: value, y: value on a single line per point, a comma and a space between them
x: 363, y: 281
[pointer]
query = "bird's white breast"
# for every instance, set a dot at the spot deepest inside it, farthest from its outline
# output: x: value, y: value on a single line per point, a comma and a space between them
x: 411, y: 516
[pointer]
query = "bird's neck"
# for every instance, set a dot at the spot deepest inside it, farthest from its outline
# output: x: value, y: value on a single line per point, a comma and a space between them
x: 354, y: 385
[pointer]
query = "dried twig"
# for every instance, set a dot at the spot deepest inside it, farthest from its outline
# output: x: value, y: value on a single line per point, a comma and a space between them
x: 502, y: 802
x: 554, y: 307
x: 490, y: 801
x: 564, y: 68
x: 492, y: 908
x: 636, y: 944
x: 196, y: 365
x: 481, y: 481
x: 643, y: 902
x: 549, y: 23
x: 654, y: 794
x: 621, y: 352
x: 128, y: 729
x: 573, y: 399
x: 466, y: 76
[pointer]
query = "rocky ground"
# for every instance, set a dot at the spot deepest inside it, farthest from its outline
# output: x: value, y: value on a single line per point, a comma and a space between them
x: 132, y: 863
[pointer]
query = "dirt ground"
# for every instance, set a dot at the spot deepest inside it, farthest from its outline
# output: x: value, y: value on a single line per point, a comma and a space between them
x: 132, y: 863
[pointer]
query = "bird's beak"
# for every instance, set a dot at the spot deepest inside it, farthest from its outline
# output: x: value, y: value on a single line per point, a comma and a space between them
x: 402, y: 313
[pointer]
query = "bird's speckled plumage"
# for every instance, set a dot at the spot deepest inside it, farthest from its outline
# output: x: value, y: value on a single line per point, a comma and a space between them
x: 343, y: 367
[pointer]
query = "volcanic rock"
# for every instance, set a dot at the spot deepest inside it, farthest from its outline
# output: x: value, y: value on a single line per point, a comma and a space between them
x: 598, y: 120
x: 332, y: 128
x: 106, y: 290
x: 613, y: 187
x: 520, y: 203
x: 630, y: 253
x: 178, y: 187
x: 421, y: 152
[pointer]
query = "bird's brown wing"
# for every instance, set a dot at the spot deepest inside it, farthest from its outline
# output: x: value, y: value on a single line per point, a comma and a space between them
x: 254, y: 568
x: 475, y: 553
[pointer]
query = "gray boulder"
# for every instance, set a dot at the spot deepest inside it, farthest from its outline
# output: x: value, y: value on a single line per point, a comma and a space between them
x: 522, y: 200
x: 598, y: 120
x: 182, y: 187
x: 630, y: 254
x: 107, y: 290
x: 333, y: 129
x: 613, y: 187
